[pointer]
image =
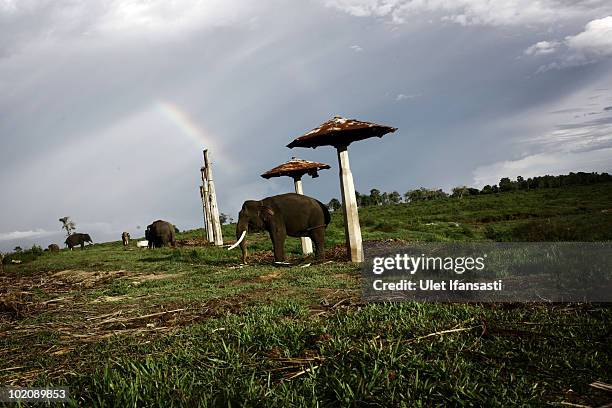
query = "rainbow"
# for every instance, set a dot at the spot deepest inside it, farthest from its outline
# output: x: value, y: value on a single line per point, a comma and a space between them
x: 188, y: 127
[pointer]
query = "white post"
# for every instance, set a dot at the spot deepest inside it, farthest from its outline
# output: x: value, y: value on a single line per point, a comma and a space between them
x: 206, y: 205
x: 214, y: 209
x: 306, y: 242
x: 352, y: 229
x: 204, y: 210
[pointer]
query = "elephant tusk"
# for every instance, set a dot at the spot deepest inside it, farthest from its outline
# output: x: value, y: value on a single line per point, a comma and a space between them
x: 237, y: 242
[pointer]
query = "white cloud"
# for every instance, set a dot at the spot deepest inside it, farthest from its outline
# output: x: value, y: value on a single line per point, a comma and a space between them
x: 596, y: 39
x: 9, y: 236
x: 542, y: 48
x: 474, y: 12
x: 401, y: 97
x: 156, y: 15
x: 63, y: 20
x: 586, y: 47
x: 356, y: 48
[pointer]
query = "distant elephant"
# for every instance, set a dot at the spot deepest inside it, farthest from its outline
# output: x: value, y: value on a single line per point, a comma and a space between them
x: 53, y: 248
x: 125, y: 237
x: 160, y: 233
x: 291, y: 214
x: 78, y: 239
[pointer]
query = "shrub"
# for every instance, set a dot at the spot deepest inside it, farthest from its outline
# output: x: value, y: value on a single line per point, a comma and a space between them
x: 544, y: 230
x: 385, y: 227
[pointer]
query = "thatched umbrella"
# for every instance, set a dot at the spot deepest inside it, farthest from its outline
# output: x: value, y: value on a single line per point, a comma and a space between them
x: 296, y: 168
x: 340, y: 132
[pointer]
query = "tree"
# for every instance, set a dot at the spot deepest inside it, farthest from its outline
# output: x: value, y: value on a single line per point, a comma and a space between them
x: 384, y: 198
x: 333, y: 205
x: 359, y: 199
x: 68, y: 225
x: 460, y: 191
x: 395, y: 198
x: 487, y: 189
x: 522, y: 184
x: 18, y: 249
x: 375, y: 197
x: 506, y: 185
x: 223, y: 218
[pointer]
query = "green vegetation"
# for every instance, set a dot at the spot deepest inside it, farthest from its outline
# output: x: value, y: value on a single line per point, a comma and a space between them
x: 505, y: 185
x: 192, y: 327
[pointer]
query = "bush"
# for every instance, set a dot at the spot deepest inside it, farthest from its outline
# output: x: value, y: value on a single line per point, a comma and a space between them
x: 545, y: 230
x: 28, y: 255
x: 368, y: 222
x: 385, y: 227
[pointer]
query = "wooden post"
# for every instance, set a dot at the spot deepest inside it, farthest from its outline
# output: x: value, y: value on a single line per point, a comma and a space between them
x: 206, y: 208
x: 204, y: 211
x: 214, y: 209
x: 306, y: 242
x: 352, y: 229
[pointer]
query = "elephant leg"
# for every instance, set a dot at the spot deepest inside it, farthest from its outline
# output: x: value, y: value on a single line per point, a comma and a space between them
x: 278, y: 242
x: 318, y: 237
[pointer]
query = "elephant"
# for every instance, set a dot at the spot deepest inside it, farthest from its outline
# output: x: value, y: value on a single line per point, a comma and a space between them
x: 283, y: 215
x: 77, y: 239
x: 160, y: 233
x: 125, y: 237
x: 53, y: 248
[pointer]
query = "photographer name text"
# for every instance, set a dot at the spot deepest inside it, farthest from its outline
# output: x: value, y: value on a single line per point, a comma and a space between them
x: 431, y: 285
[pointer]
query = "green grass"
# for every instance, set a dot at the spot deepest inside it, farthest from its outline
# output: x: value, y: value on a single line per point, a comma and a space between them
x: 215, y: 333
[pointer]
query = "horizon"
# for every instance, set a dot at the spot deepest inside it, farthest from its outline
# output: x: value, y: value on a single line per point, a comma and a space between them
x: 38, y: 241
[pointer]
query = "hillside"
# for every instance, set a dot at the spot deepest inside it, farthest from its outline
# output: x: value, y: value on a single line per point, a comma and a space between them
x: 191, y: 326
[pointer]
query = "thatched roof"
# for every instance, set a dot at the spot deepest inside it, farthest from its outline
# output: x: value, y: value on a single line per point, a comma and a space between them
x: 296, y: 168
x: 340, y: 131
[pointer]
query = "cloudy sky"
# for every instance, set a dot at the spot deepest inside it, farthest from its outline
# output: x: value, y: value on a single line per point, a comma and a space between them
x: 105, y: 105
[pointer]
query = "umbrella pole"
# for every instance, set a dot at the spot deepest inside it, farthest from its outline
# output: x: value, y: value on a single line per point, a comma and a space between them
x: 306, y: 242
x: 352, y: 229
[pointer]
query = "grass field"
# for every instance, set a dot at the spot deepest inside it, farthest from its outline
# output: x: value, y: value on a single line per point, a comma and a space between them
x: 192, y: 327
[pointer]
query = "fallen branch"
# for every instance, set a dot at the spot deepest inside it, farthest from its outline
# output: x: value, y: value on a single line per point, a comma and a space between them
x: 54, y: 300
x: 299, y: 373
x: 570, y: 404
x: 129, y: 319
x: 601, y: 386
x: 12, y: 368
x: 340, y: 302
x: 105, y: 315
x: 440, y: 333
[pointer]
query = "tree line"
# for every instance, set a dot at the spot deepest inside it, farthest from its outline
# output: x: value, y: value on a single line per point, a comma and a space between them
x: 505, y: 185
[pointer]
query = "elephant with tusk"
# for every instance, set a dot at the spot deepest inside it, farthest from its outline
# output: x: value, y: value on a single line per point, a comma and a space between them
x: 291, y: 214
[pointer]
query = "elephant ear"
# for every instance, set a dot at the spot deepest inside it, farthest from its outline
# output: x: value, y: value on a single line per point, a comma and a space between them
x: 266, y: 213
